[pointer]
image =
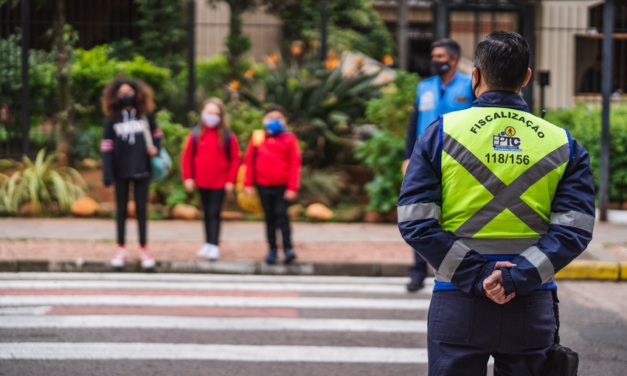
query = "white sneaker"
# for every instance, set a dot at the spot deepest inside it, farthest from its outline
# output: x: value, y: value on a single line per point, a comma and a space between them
x: 119, y: 258
x: 214, y: 253
x: 209, y: 251
x: 203, y: 252
x: 147, y: 260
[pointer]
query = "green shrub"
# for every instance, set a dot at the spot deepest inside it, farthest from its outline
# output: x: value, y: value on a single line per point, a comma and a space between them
x: 170, y: 190
x: 322, y: 106
x: 42, y: 83
x: 392, y: 110
x: 244, y: 118
x: 40, y: 183
x: 383, y: 154
x: 319, y: 186
x: 584, y: 124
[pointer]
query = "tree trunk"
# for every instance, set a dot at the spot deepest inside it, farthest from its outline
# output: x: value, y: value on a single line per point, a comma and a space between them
x: 62, y: 58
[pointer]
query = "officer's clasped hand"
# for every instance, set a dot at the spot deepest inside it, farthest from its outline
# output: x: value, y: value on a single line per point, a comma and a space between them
x: 493, y: 285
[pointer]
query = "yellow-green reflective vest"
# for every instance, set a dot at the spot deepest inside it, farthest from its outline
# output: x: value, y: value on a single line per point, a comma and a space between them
x: 500, y: 171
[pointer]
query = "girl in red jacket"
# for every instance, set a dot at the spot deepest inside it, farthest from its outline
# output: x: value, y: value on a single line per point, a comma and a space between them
x: 274, y: 165
x: 210, y: 162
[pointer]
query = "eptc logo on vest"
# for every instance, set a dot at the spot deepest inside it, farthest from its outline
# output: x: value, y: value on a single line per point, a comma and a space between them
x: 505, y: 141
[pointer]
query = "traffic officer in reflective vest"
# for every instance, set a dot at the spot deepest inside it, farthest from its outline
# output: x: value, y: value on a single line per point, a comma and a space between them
x: 497, y: 200
x: 448, y: 90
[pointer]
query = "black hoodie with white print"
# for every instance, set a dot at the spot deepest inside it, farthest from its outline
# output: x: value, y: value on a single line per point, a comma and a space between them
x: 123, y: 146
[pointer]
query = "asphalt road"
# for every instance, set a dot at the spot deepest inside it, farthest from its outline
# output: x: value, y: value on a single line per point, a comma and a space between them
x: 123, y: 324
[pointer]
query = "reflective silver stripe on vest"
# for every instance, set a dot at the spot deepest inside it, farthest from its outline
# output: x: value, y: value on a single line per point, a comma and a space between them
x: 542, y: 263
x: 499, y: 246
x: 451, y: 261
x: 419, y: 211
x: 579, y: 220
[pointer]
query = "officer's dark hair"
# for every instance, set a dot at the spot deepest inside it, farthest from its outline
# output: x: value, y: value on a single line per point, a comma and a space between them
x: 450, y: 45
x: 503, y: 59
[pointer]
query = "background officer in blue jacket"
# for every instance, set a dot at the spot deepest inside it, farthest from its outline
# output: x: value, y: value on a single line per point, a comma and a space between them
x: 448, y: 90
x: 497, y: 201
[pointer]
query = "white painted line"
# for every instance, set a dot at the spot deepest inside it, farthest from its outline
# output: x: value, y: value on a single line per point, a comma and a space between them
x: 36, y: 310
x: 245, y: 353
x: 221, y: 286
x: 213, y: 323
x: 213, y: 301
x: 171, y: 277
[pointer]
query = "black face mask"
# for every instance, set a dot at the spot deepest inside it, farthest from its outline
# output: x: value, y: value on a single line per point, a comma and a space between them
x: 126, y: 100
x: 439, y: 67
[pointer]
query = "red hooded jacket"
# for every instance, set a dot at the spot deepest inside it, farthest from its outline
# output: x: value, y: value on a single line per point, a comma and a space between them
x: 212, y: 168
x: 277, y: 162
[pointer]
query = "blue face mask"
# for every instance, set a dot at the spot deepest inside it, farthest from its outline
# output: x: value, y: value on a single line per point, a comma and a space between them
x: 274, y: 126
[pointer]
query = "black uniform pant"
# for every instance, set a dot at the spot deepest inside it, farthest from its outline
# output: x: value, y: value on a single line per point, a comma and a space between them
x: 275, y: 209
x: 140, y: 194
x: 418, y: 271
x: 212, y: 200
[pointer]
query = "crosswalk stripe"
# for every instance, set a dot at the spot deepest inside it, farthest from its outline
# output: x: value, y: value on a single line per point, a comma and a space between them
x: 224, y: 286
x: 319, y: 354
x: 172, y: 277
x: 213, y: 323
x: 216, y: 301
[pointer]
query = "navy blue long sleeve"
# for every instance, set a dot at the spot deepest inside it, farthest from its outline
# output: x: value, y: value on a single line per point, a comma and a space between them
x: 571, y: 226
x: 422, y: 186
x: 571, y: 222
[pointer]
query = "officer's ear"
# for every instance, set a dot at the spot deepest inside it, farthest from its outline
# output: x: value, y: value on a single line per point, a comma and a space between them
x: 475, y: 77
x: 527, y: 77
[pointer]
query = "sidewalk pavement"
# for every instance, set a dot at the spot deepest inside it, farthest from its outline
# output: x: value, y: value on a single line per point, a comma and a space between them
x: 72, y: 244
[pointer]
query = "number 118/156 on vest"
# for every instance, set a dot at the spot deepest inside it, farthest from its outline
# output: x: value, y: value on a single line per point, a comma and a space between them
x: 507, y: 158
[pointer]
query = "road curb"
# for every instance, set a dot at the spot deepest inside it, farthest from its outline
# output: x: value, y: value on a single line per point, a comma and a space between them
x: 577, y: 270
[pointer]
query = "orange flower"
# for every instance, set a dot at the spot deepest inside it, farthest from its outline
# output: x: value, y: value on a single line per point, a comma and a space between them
x: 332, y: 56
x: 331, y: 63
x: 359, y: 62
x: 273, y: 59
x: 249, y: 73
x: 387, y: 60
x: 297, y: 50
x: 234, y: 85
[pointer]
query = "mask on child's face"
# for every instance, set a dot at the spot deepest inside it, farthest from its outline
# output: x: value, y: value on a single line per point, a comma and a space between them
x: 274, y: 126
x: 210, y: 120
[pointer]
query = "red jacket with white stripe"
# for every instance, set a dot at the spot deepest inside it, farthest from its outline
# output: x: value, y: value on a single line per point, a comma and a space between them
x: 212, y: 168
x: 277, y: 161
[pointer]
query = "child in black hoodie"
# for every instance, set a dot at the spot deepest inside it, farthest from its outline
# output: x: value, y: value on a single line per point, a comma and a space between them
x: 128, y: 106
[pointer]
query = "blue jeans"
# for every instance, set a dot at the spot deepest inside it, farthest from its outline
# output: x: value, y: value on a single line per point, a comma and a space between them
x: 464, y: 330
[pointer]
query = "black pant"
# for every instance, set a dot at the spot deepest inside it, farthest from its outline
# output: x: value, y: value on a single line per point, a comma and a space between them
x: 212, y: 206
x: 418, y: 271
x: 140, y: 194
x: 275, y: 209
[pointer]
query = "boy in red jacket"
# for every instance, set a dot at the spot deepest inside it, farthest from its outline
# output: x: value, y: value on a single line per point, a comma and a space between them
x: 274, y: 165
x: 210, y: 162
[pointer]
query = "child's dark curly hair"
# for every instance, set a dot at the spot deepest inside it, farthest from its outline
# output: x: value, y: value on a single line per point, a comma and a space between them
x: 143, y: 101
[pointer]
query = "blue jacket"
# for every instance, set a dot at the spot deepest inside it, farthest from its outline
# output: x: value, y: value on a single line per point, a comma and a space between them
x: 561, y: 244
x: 434, y: 99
